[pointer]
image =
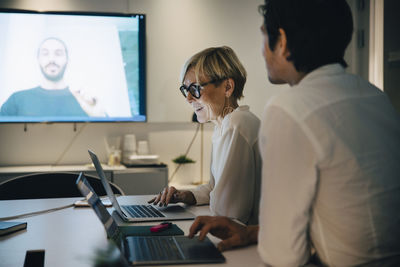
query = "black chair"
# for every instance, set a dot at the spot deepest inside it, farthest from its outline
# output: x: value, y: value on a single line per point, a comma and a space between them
x: 49, y: 185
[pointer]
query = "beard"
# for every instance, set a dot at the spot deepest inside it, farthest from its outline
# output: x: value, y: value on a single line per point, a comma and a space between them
x: 54, y: 77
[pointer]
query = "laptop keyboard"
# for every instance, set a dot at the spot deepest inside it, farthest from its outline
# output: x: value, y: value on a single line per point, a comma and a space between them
x: 143, y: 211
x: 156, y: 248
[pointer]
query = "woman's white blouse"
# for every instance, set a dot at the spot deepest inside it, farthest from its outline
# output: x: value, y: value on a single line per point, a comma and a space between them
x: 234, y: 186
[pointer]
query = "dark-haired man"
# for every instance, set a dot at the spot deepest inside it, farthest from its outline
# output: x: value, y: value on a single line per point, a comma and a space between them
x: 53, y: 97
x: 330, y: 147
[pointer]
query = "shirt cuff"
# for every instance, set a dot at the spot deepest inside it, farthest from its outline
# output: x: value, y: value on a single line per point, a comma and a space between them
x: 202, y: 196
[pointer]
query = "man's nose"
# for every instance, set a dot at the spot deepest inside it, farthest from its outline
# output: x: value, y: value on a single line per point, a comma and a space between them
x: 51, y: 59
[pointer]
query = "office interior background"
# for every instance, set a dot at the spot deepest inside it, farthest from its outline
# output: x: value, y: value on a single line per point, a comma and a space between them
x: 175, y: 30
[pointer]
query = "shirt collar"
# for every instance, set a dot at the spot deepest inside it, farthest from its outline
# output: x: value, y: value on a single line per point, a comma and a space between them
x: 324, y: 71
x: 226, y: 119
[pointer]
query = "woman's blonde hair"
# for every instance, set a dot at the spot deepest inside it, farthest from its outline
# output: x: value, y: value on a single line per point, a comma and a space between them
x: 217, y: 63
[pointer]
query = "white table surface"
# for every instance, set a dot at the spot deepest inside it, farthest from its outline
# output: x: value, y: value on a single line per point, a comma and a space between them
x: 71, y: 236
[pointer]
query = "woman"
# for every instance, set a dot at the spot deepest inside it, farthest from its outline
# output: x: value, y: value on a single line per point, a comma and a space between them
x: 212, y: 83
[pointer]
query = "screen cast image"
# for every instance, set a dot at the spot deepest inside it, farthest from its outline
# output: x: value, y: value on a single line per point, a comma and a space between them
x: 71, y: 67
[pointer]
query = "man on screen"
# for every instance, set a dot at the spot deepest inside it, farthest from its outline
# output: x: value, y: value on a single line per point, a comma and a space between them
x: 53, y: 97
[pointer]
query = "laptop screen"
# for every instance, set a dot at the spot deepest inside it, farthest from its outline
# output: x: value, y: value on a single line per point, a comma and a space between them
x: 104, y: 181
x: 94, y: 201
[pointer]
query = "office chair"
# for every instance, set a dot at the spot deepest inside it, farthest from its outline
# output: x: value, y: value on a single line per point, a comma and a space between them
x: 49, y: 185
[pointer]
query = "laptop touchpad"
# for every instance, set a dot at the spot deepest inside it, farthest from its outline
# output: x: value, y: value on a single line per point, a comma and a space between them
x: 171, y: 208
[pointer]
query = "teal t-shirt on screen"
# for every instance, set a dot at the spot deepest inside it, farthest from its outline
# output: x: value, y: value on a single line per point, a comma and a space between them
x: 41, y: 102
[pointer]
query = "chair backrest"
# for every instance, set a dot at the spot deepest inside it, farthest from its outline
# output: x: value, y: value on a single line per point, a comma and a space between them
x: 49, y: 185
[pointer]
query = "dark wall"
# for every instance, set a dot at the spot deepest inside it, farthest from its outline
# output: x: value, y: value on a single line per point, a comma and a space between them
x: 392, y: 51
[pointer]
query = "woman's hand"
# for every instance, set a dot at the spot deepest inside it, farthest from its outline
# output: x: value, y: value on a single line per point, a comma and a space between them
x: 173, y: 195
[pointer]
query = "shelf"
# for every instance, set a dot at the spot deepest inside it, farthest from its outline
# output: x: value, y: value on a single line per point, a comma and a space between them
x: 60, y: 168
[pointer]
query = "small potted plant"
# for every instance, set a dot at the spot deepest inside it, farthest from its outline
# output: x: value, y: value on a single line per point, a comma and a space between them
x: 186, y: 173
x: 182, y: 159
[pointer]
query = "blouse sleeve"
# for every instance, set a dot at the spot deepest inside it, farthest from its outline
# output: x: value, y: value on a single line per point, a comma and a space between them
x: 202, y: 192
x: 289, y: 178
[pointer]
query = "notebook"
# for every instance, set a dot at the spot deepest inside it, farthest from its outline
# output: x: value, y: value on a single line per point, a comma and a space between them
x: 140, y: 212
x: 11, y: 227
x: 151, y: 250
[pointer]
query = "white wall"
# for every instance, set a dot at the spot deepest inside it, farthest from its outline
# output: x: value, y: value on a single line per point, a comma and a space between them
x: 58, y: 144
x: 175, y: 30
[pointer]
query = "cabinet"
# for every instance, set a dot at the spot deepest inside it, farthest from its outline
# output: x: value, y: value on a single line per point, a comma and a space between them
x: 141, y: 181
x: 133, y: 181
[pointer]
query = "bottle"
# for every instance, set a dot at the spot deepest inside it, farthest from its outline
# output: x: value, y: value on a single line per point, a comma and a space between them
x: 129, y: 147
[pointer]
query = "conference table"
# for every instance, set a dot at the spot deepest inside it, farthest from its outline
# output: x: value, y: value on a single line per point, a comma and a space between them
x: 73, y: 236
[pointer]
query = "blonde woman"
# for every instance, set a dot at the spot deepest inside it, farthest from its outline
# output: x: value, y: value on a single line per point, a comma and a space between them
x: 212, y: 83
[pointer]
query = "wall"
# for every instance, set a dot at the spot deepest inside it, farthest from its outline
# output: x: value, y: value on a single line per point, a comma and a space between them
x: 59, y: 144
x: 175, y: 30
x: 391, y: 53
x: 357, y: 54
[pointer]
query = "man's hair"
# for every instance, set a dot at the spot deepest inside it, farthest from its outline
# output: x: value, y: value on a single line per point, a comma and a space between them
x: 53, y: 38
x: 317, y: 31
x: 217, y: 63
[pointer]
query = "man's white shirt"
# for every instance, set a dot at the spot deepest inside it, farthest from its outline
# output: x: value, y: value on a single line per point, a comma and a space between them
x: 331, y: 163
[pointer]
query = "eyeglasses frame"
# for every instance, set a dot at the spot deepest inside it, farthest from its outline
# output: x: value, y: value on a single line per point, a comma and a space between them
x: 196, y: 88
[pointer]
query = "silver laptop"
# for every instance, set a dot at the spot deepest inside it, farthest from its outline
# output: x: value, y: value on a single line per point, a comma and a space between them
x: 140, y: 212
x: 150, y: 250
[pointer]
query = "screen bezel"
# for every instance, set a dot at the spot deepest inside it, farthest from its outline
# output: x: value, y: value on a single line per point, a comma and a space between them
x: 142, y: 64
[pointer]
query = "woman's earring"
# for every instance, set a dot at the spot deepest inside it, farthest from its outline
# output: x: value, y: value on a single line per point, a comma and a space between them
x: 227, y: 109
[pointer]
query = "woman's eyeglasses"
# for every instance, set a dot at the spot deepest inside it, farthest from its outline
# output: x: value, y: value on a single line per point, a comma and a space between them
x: 194, y: 89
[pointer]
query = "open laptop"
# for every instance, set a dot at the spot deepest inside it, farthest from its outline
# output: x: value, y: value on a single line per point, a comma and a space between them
x: 140, y: 212
x: 150, y: 250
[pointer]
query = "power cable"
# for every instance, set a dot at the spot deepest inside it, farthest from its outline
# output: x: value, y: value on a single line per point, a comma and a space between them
x: 186, y: 153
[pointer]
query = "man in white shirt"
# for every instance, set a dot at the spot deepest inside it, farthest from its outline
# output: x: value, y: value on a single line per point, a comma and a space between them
x: 330, y: 147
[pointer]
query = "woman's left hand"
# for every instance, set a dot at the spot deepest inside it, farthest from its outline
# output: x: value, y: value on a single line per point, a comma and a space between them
x: 173, y: 195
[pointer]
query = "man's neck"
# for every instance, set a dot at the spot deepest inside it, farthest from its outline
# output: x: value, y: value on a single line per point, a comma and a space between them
x: 52, y: 85
x: 296, y: 77
x: 291, y: 75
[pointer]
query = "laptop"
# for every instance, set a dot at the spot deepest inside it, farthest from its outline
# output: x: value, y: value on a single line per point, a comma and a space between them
x: 150, y: 250
x: 140, y: 212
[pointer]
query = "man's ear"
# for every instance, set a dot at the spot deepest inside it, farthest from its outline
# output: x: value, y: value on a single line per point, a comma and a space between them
x: 229, y: 87
x: 282, y: 44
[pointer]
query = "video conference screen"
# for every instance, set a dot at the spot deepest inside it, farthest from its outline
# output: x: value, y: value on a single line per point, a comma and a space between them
x: 72, y: 67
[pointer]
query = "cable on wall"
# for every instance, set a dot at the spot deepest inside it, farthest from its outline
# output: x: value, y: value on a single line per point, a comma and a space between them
x: 70, y: 143
x: 186, y: 153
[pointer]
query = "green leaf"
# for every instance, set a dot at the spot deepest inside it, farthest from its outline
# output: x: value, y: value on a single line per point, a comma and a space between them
x: 182, y: 159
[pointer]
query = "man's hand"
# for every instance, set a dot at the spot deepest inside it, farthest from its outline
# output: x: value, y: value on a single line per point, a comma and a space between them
x: 172, y: 195
x: 89, y: 104
x: 232, y: 234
